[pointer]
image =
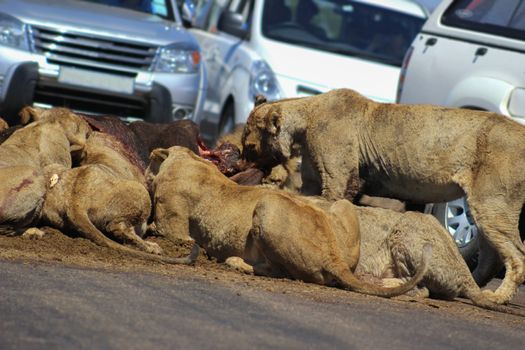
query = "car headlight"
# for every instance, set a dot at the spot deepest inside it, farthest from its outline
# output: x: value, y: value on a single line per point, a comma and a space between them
x: 263, y: 81
x: 13, y: 32
x: 171, y: 59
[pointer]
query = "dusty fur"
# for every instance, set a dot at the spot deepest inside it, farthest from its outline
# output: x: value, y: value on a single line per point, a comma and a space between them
x: 391, y: 243
x: 352, y: 144
x: 3, y: 124
x: 49, y: 140
x: 261, y: 230
x: 105, y: 196
x: 285, y: 176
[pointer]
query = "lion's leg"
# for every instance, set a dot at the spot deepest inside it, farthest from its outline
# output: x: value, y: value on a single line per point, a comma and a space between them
x: 127, y: 234
x: 340, y: 176
x: 310, y: 178
x: 489, y: 263
x: 172, y: 223
x: 22, y: 191
x: 498, y: 220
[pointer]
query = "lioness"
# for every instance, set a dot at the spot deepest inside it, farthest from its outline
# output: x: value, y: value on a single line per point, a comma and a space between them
x: 276, y: 233
x: 420, y: 153
x: 390, y: 247
x: 105, y: 195
x: 102, y: 204
x: 51, y: 139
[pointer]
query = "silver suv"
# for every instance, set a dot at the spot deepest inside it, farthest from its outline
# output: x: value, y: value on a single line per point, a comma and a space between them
x: 131, y: 58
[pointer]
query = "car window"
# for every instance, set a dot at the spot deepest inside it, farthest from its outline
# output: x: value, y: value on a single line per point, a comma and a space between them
x: 505, y: 18
x: 356, y: 28
x: 207, y: 14
x: 241, y: 6
x: 160, y: 8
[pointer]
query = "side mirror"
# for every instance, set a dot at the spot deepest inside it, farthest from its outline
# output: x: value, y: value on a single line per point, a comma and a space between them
x: 232, y: 23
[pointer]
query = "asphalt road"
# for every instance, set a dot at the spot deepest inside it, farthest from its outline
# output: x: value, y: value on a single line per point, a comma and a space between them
x: 58, y: 307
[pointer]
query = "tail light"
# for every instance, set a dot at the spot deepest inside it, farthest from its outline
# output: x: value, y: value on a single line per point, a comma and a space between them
x: 402, y: 74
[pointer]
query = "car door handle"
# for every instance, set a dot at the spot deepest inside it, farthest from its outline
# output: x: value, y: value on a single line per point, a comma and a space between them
x: 481, y: 51
x: 431, y: 42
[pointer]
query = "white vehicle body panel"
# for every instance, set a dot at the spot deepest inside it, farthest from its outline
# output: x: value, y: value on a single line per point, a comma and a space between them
x: 299, y: 71
x: 465, y: 68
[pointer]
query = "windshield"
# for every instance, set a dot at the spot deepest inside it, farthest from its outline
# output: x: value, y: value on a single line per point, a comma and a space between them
x: 160, y: 8
x: 355, y: 28
x: 505, y: 18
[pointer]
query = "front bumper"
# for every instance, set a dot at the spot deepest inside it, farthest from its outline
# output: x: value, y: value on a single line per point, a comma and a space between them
x: 27, y: 79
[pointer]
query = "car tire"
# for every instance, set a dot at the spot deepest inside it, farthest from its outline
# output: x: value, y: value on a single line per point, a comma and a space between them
x: 456, y: 218
x: 227, y: 122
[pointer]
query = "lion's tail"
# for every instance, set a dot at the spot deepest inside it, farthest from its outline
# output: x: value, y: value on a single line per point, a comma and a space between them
x: 88, y: 230
x: 9, y: 230
x: 473, y: 292
x: 348, y: 279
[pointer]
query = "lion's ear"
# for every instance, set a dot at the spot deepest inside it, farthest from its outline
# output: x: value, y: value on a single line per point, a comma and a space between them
x: 28, y: 114
x: 273, y: 123
x: 159, y: 154
x: 259, y: 100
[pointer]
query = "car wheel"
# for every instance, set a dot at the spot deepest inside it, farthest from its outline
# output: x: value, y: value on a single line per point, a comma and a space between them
x: 227, y: 122
x: 455, y: 217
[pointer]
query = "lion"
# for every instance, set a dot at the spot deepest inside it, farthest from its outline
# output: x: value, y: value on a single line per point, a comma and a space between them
x: 274, y: 232
x: 390, y: 248
x: 284, y: 176
x: 51, y: 139
x: 102, y: 148
x: 418, y: 153
x: 105, y: 195
x: 391, y: 243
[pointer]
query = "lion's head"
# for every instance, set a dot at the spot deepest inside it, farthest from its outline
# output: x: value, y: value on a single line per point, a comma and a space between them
x: 265, y: 139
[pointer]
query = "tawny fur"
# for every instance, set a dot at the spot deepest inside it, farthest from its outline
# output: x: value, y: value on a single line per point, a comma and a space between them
x: 274, y: 232
x: 50, y: 140
x: 3, y: 124
x: 420, y: 153
x: 391, y: 243
x: 284, y: 176
x: 106, y: 195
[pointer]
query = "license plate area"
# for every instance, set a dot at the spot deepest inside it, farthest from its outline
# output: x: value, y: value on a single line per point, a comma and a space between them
x: 96, y: 80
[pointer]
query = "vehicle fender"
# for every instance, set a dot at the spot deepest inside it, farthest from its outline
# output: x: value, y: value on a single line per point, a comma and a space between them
x: 236, y: 85
x: 481, y: 92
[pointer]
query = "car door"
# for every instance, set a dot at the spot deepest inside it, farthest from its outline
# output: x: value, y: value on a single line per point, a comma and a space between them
x: 217, y: 49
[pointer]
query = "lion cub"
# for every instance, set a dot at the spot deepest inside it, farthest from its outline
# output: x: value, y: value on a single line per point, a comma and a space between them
x: 274, y: 232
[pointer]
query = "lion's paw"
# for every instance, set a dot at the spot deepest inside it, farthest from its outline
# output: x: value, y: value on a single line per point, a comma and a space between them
x: 239, y: 264
x: 391, y: 282
x: 33, y: 233
x: 153, y: 248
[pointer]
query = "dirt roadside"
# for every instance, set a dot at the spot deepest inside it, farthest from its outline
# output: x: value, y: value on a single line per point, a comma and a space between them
x: 57, y: 248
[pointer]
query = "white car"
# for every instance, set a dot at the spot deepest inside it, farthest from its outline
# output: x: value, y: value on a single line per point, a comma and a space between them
x: 289, y: 48
x: 469, y: 54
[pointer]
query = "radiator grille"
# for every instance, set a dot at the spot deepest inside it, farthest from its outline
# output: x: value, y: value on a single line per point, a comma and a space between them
x: 87, y: 50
